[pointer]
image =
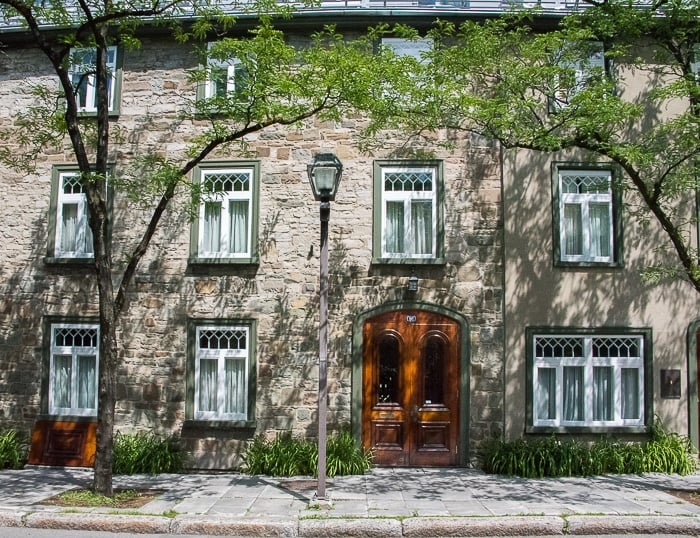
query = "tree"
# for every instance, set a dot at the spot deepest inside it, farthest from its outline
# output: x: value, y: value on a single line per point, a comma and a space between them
x: 533, y: 84
x: 282, y: 87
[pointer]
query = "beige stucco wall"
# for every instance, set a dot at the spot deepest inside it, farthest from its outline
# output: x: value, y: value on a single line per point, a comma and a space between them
x: 537, y: 293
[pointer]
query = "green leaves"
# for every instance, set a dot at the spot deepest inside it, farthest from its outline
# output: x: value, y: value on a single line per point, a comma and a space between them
x: 286, y: 455
x: 146, y: 453
x: 556, y: 457
x: 13, y: 450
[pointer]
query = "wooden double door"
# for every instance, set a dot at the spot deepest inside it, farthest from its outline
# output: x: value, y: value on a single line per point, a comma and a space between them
x: 411, y: 382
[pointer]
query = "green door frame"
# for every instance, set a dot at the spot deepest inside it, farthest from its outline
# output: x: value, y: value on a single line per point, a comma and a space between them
x: 693, y: 397
x: 465, y: 362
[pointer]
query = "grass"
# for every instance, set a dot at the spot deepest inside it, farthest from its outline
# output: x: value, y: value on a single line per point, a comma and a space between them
x: 85, y: 498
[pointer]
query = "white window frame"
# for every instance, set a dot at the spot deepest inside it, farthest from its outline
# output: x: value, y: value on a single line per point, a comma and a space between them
x: 582, y: 71
x: 225, y: 198
x: 84, y: 233
x: 407, y: 197
x: 221, y: 356
x: 231, y: 65
x: 585, y: 201
x: 78, y: 70
x: 588, y: 363
x: 75, y: 352
x: 695, y: 63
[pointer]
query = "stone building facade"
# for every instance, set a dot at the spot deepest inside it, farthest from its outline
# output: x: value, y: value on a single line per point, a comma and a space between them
x: 481, y: 302
x: 274, y: 298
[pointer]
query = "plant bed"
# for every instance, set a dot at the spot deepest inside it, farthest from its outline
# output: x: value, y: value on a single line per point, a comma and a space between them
x: 688, y: 495
x: 84, y: 498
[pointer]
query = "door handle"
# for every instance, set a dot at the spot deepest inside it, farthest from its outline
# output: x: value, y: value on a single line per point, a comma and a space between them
x: 414, y: 413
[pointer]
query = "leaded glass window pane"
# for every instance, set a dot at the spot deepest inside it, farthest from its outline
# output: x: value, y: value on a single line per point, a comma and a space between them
x: 603, y: 393
x: 546, y: 393
x: 433, y: 358
x: 588, y: 380
x: 409, y: 204
x: 388, y: 365
x: 225, y: 224
x: 573, y: 393
x: 221, y: 367
x: 630, y: 393
x: 74, y: 369
x: 586, y: 213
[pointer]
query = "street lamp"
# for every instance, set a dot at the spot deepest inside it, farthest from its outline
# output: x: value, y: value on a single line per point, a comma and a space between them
x: 324, y: 176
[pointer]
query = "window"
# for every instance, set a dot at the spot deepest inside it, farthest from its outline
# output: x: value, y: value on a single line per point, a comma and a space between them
x: 588, y: 380
x: 408, y: 223
x: 72, y: 236
x: 73, y: 369
x: 695, y: 62
x: 226, y: 226
x: 408, y: 47
x: 586, y: 216
x: 222, y: 372
x: 582, y: 72
x: 82, y: 73
x: 225, y: 77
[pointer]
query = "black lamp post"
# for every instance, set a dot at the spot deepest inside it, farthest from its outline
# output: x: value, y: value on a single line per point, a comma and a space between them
x: 324, y: 176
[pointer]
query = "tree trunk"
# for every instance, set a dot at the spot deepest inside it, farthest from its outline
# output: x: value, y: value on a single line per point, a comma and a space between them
x: 107, y: 387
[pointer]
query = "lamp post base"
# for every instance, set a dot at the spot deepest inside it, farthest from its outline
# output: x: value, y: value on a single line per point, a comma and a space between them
x: 321, y: 502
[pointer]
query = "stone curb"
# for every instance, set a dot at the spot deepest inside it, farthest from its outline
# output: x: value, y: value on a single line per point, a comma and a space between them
x: 670, y: 524
x: 99, y: 522
x: 12, y: 519
x: 356, y: 527
x: 484, y: 526
x: 220, y: 526
x: 413, y: 527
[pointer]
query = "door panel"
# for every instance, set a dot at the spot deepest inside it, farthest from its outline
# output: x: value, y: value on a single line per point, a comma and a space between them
x: 411, y: 388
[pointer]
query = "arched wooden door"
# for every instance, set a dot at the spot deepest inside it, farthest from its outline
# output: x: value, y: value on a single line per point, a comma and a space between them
x: 411, y: 380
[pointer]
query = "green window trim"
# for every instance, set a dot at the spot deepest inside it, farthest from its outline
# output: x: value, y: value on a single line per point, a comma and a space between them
x: 438, y: 236
x: 52, y: 257
x: 252, y: 257
x: 646, y: 335
x: 616, y: 254
x: 219, y: 423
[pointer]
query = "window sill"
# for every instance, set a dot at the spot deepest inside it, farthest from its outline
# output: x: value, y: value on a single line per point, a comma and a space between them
x: 86, y: 262
x: 587, y: 429
x: 222, y: 261
x: 209, y: 267
x: 196, y: 424
x: 408, y: 261
x: 112, y: 114
x: 588, y: 265
x: 67, y: 418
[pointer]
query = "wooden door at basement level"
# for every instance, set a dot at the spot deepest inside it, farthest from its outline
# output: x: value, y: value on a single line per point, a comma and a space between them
x: 411, y: 380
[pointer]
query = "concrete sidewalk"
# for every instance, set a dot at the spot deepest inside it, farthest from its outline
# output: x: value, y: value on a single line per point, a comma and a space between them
x: 385, y: 502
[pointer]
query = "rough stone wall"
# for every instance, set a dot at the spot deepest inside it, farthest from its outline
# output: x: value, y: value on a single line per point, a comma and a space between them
x: 281, y: 293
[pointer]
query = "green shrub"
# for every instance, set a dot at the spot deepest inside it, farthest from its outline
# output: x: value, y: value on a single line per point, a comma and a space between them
x: 286, y: 455
x: 13, y: 450
x: 344, y: 456
x: 552, y: 457
x: 146, y: 453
